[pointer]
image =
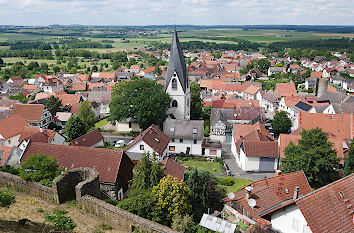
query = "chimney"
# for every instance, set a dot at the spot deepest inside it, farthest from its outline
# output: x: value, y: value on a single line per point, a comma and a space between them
x: 278, y: 173
x: 296, y: 192
x: 248, y: 191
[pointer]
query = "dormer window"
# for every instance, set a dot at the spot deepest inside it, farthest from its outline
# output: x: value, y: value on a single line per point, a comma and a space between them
x: 174, y: 84
x: 174, y: 103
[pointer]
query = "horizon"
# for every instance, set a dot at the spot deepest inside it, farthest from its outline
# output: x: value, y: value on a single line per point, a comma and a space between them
x: 182, y: 12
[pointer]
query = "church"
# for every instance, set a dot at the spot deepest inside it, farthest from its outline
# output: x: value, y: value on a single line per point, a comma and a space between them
x: 186, y: 135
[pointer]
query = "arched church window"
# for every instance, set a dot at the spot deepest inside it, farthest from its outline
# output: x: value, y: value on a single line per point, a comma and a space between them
x: 174, y: 84
x: 174, y: 103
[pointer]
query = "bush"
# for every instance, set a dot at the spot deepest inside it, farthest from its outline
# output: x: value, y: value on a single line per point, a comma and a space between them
x: 60, y: 221
x: 219, y: 161
x: 9, y: 169
x: 39, y: 168
x: 6, y: 198
x: 228, y: 181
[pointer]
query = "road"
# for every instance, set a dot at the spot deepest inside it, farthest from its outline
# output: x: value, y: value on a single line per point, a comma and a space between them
x: 113, y: 138
x: 236, y: 170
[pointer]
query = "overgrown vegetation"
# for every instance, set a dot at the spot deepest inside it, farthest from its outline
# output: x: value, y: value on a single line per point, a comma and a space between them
x: 60, y: 220
x: 6, y: 198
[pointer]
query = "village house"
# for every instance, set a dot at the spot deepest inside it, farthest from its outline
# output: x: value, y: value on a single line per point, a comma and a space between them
x: 152, y: 141
x: 211, y: 148
x: 36, y: 115
x: 186, y: 136
x: 114, y: 167
x: 61, y: 118
x: 285, y: 89
x: 269, y: 100
x: 103, y: 77
x: 172, y: 168
x: 91, y: 139
x: 34, y: 134
x: 52, y: 85
x: 259, y: 201
x: 10, y: 130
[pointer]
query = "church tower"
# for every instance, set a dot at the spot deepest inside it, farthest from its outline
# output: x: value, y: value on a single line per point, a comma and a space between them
x: 177, y: 82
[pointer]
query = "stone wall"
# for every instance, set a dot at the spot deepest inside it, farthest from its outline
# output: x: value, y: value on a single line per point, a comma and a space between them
x: 120, y: 218
x: 32, y: 188
x: 76, y: 183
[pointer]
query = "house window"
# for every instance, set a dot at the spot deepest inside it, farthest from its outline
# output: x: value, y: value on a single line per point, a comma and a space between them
x: 130, y: 125
x: 172, y: 140
x: 141, y: 147
x: 174, y: 84
x: 181, y: 140
x: 195, y: 141
x: 212, y: 152
x: 172, y: 148
x: 174, y: 103
x: 195, y: 131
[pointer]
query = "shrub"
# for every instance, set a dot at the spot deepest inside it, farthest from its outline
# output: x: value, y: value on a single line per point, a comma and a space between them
x: 6, y: 198
x: 60, y: 221
x: 228, y: 181
x: 40, y: 210
x: 39, y: 168
x: 9, y: 169
x: 219, y: 161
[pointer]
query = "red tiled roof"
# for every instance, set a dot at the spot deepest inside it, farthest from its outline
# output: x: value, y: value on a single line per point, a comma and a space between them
x: 103, y: 75
x: 285, y: 139
x: 261, y: 148
x: 285, y: 89
x: 105, y: 161
x: 32, y: 113
x: 78, y: 86
x: 29, y: 87
x: 69, y: 99
x: 4, y: 155
x: 172, y: 168
x: 341, y: 125
x: 325, y: 210
x: 272, y: 193
x: 149, y: 69
x: 12, y: 126
x: 35, y: 134
x: 242, y: 130
x: 89, y: 139
x: 154, y: 137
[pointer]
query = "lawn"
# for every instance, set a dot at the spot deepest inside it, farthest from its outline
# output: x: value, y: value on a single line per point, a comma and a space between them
x: 239, y: 183
x: 101, y: 123
x: 211, y: 166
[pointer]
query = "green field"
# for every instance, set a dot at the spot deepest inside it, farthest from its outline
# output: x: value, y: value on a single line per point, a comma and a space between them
x: 211, y: 166
x: 239, y: 183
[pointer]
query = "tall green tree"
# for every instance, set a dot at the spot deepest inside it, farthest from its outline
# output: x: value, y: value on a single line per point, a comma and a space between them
x: 74, y: 128
x: 196, y: 102
x: 87, y: 115
x: 314, y: 155
x: 53, y: 104
x: 172, y: 197
x: 143, y: 99
x: 349, y: 162
x: 1, y: 61
x: 148, y: 173
x: 281, y: 123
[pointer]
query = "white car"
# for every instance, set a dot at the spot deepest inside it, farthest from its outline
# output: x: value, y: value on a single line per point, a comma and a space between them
x: 119, y: 143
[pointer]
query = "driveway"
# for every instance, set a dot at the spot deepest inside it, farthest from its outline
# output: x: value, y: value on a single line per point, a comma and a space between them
x: 113, y: 138
x: 236, y: 170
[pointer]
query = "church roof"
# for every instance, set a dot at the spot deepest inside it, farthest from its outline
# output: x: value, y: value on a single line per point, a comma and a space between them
x: 177, y: 63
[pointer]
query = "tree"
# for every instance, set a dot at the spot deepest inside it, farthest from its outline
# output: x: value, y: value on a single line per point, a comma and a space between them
x: 74, y: 128
x: 94, y: 69
x: 203, y: 193
x: 314, y: 155
x: 56, y: 69
x: 349, y: 162
x: 1, y: 61
x: 143, y: 99
x: 172, y: 197
x: 39, y: 168
x: 183, y: 224
x: 196, y: 102
x: 281, y: 123
x: 148, y: 173
x: 53, y: 104
x: 87, y: 115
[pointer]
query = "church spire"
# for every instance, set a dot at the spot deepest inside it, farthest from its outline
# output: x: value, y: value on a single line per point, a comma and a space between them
x: 177, y: 63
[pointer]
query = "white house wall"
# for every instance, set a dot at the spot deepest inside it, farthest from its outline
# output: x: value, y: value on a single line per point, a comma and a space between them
x: 217, y: 155
x: 10, y: 142
x: 195, y: 149
x: 290, y: 220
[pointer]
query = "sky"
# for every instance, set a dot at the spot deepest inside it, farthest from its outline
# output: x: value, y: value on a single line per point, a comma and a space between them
x: 164, y: 12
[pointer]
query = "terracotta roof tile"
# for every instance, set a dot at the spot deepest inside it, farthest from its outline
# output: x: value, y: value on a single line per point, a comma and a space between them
x: 172, y: 168
x: 37, y: 135
x: 12, y: 126
x: 105, y: 161
x: 261, y: 148
x: 30, y: 112
x: 70, y: 99
x: 330, y: 208
x: 5, y: 152
x: 285, y: 89
x: 154, y: 137
x: 89, y: 139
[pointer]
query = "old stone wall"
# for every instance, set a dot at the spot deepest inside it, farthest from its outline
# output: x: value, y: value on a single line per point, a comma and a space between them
x: 120, y: 218
x: 77, y: 182
x: 32, y: 188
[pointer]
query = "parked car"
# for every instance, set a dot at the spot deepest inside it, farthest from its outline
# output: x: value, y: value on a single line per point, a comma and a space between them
x: 120, y: 143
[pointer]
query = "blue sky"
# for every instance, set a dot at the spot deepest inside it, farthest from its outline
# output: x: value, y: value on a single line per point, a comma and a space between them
x: 197, y: 12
